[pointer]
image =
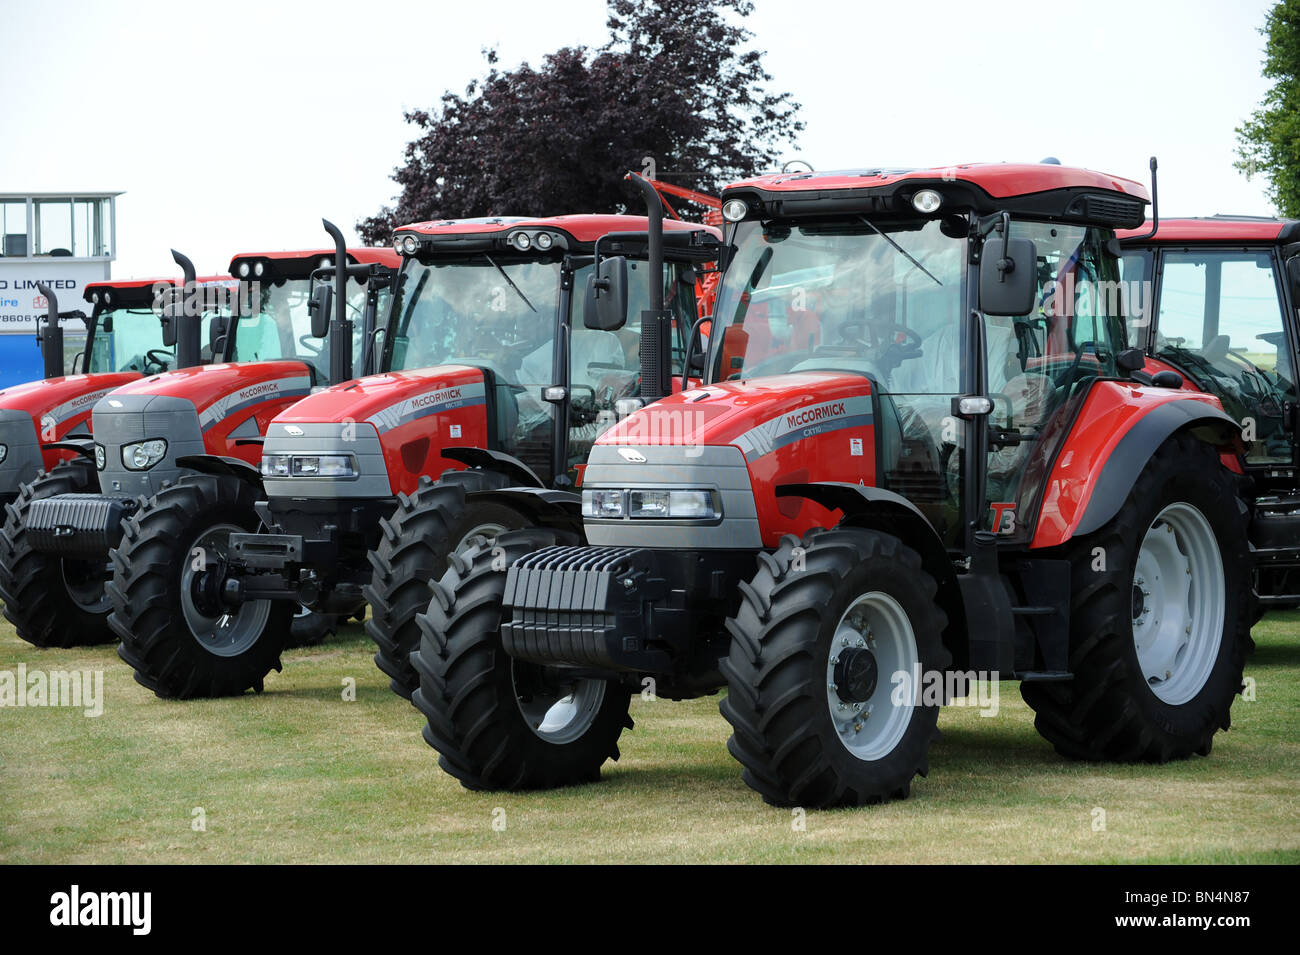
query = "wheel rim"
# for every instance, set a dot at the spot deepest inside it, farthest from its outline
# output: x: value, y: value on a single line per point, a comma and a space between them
x: 1179, y: 601
x: 84, y: 582
x: 556, y: 709
x: 487, y: 529
x: 229, y: 634
x: 872, y: 642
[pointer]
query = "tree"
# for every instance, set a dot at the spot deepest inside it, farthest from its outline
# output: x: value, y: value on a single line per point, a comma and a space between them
x: 1269, y: 142
x: 677, y: 95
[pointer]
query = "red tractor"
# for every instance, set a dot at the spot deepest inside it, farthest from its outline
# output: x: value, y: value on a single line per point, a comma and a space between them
x: 919, y: 457
x: 55, y: 548
x: 123, y: 343
x: 1216, y: 302
x: 483, y: 374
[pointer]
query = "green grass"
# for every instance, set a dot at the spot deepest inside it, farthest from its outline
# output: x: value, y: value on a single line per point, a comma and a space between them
x: 297, y: 774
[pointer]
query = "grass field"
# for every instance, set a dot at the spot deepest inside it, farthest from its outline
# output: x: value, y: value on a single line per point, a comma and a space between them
x: 299, y: 774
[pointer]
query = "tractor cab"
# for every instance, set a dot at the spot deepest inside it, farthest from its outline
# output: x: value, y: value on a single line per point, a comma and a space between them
x: 507, y: 297
x: 1215, y: 300
x: 125, y: 331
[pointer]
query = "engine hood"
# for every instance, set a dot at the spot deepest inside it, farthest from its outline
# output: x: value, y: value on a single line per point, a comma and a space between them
x: 222, y: 388
x: 389, y: 399
x: 65, y: 397
x: 758, y: 416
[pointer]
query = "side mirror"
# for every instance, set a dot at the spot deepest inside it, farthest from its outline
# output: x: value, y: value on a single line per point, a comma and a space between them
x: 1131, y: 360
x: 107, y: 324
x: 1293, y: 273
x: 606, y: 305
x: 1007, y: 277
x: 217, y: 332
x: 170, y: 316
x: 320, y: 307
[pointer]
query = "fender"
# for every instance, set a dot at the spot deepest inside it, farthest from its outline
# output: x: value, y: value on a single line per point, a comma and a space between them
x: 544, y: 507
x: 83, y: 446
x: 1118, y: 470
x: 883, y: 510
x: 509, y: 465
x: 222, y: 466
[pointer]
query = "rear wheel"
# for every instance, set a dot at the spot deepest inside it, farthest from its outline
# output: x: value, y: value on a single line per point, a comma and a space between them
x: 177, y: 635
x: 52, y: 601
x: 412, y: 553
x: 497, y: 722
x: 832, y: 639
x: 1160, y: 602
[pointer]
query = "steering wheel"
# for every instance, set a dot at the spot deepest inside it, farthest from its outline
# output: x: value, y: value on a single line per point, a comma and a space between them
x: 163, y: 363
x: 313, y: 344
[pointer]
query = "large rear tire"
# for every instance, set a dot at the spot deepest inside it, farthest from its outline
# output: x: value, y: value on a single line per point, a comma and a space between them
x: 820, y: 717
x: 412, y: 553
x: 50, y: 600
x: 179, y: 642
x: 1160, y: 605
x: 499, y: 723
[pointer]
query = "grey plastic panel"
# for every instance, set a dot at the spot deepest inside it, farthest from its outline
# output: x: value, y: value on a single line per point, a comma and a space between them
x: 358, y: 439
x: 719, y: 468
x: 23, y: 459
x: 124, y: 419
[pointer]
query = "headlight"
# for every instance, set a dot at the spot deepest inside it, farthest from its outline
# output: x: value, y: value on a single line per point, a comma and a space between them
x: 101, y: 457
x: 410, y: 244
x: 243, y: 270
x: 670, y: 503
x: 651, y: 503
x: 927, y: 201
x: 143, y: 455
x: 544, y: 241
x: 521, y: 241
x: 323, y: 465
x: 275, y: 465
x: 602, y: 503
x: 733, y: 210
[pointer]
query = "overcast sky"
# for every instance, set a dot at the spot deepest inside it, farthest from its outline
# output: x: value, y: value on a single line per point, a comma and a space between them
x: 236, y: 126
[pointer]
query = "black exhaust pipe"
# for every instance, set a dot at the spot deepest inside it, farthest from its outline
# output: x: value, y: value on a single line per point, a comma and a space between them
x: 656, y: 323
x: 340, y: 338
x: 50, y: 336
x: 188, y: 316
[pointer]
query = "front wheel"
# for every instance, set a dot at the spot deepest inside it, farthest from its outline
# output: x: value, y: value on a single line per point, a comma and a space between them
x: 1159, y: 618
x: 52, y: 601
x: 182, y: 641
x: 428, y: 525
x: 497, y: 722
x: 833, y: 654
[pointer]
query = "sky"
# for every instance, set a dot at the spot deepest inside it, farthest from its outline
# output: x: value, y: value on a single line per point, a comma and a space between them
x: 236, y: 126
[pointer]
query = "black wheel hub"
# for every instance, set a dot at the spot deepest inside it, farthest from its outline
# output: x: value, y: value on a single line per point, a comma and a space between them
x: 856, y: 675
x: 1139, y: 601
x: 205, y: 591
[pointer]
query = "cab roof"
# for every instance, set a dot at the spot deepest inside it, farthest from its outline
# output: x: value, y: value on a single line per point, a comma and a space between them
x: 139, y: 293
x: 1220, y: 228
x: 300, y: 263
x: 1033, y: 189
x: 582, y: 229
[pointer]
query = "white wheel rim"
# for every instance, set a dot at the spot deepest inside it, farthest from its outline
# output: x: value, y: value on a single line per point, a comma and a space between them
x: 1179, y: 601
x: 564, y: 715
x: 870, y: 725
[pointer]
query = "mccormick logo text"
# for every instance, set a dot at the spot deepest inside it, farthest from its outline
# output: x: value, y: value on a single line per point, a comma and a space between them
x: 810, y: 415
x: 256, y: 390
x: 448, y: 394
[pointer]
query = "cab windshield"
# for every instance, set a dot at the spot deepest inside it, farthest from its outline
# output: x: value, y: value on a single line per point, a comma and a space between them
x: 886, y: 300
x: 129, y: 339
x: 279, y: 325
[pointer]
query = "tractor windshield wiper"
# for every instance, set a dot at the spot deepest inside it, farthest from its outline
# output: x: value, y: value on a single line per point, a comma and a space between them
x: 902, y: 250
x: 509, y: 281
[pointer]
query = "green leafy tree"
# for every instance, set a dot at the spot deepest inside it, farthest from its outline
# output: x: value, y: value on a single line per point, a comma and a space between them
x: 1268, y: 143
x: 676, y: 93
